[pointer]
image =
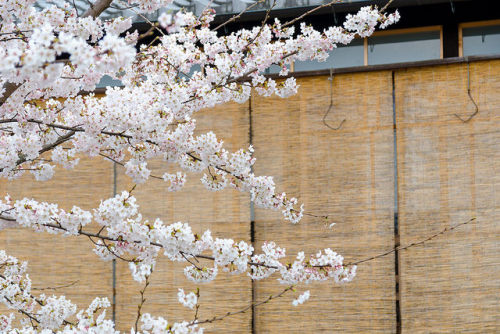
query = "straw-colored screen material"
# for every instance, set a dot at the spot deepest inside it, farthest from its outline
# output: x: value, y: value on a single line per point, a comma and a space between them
x: 449, y: 172
x: 346, y: 174
x: 55, y: 260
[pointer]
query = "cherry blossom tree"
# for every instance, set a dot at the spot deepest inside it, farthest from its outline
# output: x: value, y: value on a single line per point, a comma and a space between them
x: 49, y: 56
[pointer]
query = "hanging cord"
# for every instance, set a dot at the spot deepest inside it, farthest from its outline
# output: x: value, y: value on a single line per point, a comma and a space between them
x: 452, y: 5
x: 335, y: 21
x: 470, y: 97
x: 331, y: 105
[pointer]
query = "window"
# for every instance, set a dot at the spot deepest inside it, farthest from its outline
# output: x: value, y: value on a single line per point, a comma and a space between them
x: 479, y: 38
x: 397, y: 46
x: 383, y: 47
x: 343, y: 56
x: 107, y: 81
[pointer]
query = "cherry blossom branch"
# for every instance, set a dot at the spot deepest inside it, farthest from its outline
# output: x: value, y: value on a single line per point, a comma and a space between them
x: 48, y: 147
x: 293, y: 214
x: 243, y: 310
x: 117, y: 240
x: 130, y: 234
x: 106, y: 238
x: 141, y: 303
x: 386, y: 6
x: 259, y: 264
x: 38, y: 301
x: 123, y: 165
x: 23, y: 312
x: 35, y: 299
x: 49, y: 313
x: 264, y: 21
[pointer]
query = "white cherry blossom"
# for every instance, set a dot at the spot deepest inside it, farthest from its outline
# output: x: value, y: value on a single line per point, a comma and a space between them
x: 50, y: 56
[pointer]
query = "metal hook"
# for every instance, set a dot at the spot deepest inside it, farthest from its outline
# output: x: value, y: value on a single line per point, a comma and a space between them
x: 331, y: 105
x: 470, y: 97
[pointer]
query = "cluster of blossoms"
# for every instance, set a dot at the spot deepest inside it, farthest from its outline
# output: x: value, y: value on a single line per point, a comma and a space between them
x: 301, y: 299
x: 190, y: 300
x: 56, y: 314
x: 125, y: 233
x: 32, y: 43
x: 151, y: 116
x: 176, y: 180
x: 49, y: 56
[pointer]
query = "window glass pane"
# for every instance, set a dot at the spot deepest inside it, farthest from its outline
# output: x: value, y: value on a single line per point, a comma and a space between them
x: 404, y: 47
x: 274, y: 69
x: 481, y: 40
x: 192, y: 70
x: 107, y: 81
x: 343, y: 56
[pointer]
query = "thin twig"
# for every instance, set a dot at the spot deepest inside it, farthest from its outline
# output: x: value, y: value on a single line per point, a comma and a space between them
x: 123, y: 165
x: 386, y: 5
x: 147, y: 33
x: 310, y: 12
x: 197, y: 307
x: 235, y: 17
x: 243, y: 310
x: 264, y: 21
x: 186, y: 258
x: 57, y: 287
x: 410, y: 245
x: 76, y: 9
x: 323, y: 6
x: 153, y: 25
x: 141, y: 304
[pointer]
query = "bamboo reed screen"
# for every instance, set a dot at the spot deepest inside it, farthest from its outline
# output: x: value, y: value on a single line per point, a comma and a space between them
x: 448, y: 172
x: 346, y: 174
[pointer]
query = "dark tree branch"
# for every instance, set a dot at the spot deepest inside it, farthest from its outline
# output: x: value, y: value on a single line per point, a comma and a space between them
x: 10, y: 88
x: 97, y: 8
